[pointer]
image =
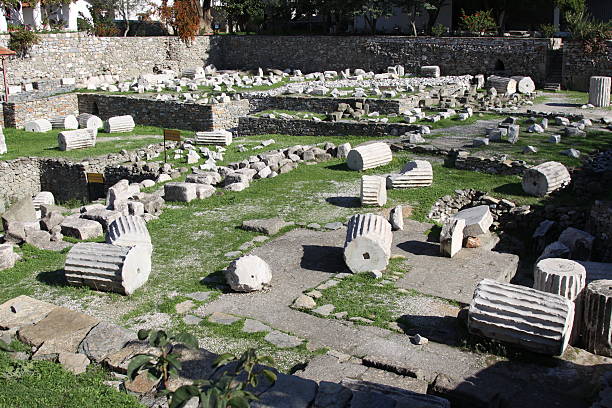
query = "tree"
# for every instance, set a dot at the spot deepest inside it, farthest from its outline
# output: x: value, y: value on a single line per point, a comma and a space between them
x: 241, y: 11
x: 372, y: 10
x: 414, y: 8
x: 127, y: 8
x: 187, y: 17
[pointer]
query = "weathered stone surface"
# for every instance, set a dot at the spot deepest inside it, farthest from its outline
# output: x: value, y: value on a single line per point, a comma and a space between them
x: 282, y: 340
x: 64, y: 122
x: 73, y: 362
x: 524, y: 84
x: 545, y: 178
x: 373, y: 191
x: 596, y: 328
x: 80, y: 228
x: 108, y: 267
x: 368, y: 156
x: 430, y: 71
x: 304, y: 302
x: 39, y: 126
x: 89, y: 121
x: 177, y: 191
x: 505, y: 86
x: 367, y: 247
x: 215, y: 137
x: 255, y: 326
x: 418, y: 173
x: 396, y: 218
x: 129, y: 230
x: 62, y: 330
x: 222, y: 318
x: 248, y: 273
x: 22, y: 211
x: 478, y: 220
x: 119, y: 124
x: 3, y: 148
x: 8, y: 257
x: 580, y: 243
x: 77, y: 139
x: 268, y: 226
x: 103, y: 216
x: 560, y: 277
x: 451, y: 237
x: 555, y: 250
x: 103, y: 340
x: 23, y: 311
x: 43, y: 198
x: 535, y: 320
x: 599, y: 91
x: 343, y: 150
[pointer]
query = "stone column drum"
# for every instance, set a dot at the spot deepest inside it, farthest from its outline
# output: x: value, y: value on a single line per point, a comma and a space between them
x: 545, y: 178
x: 108, y: 268
x: 87, y: 120
x: 599, y: 91
x: 119, y: 124
x: 369, y: 156
x: 368, y: 243
x: 129, y: 230
x: 416, y: 173
x: 215, y: 137
x: 69, y: 122
x: 597, y: 323
x: 537, y: 321
x: 77, y: 139
x: 373, y: 191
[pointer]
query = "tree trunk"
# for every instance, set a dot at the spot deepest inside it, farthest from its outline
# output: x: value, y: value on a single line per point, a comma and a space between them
x: 205, y: 14
x: 501, y: 22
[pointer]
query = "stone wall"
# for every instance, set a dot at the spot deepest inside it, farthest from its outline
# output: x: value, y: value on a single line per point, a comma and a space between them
x: 15, y: 114
x: 77, y: 55
x: 455, y: 56
x: 251, y: 125
x: 600, y: 225
x: 578, y: 66
x: 325, y: 105
x: 18, y: 178
x: 168, y: 114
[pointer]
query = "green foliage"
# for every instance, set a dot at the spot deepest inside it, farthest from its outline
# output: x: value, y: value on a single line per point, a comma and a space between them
x: 4, y: 346
x: 22, y: 40
x: 479, y: 22
x: 226, y: 389
x: 46, y: 384
x: 164, y: 364
x: 84, y: 25
x: 593, y: 34
x: 548, y: 30
x: 439, y: 30
x: 242, y: 11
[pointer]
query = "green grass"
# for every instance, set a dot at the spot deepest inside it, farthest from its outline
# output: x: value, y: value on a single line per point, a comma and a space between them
x: 594, y: 141
x: 30, y: 144
x: 45, y: 384
x: 576, y: 97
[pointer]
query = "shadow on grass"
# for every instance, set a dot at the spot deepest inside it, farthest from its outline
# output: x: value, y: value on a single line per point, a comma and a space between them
x: 345, y: 202
x: 339, y: 166
x: 53, y: 278
x: 216, y: 280
x: 564, y: 105
x: 511, y: 189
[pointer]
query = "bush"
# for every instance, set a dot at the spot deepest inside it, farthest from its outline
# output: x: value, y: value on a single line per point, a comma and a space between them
x: 438, y: 30
x: 479, y: 22
x: 593, y: 34
x: 548, y: 30
x: 84, y: 25
x: 21, y: 41
x: 105, y: 30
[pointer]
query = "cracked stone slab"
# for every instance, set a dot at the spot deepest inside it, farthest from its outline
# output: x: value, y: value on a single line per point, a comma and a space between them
x: 222, y: 318
x: 192, y: 320
x: 255, y: 326
x: 104, y: 339
x: 282, y: 340
x: 459, y: 274
x: 23, y: 311
x: 199, y: 296
x: 268, y: 226
x: 61, y: 330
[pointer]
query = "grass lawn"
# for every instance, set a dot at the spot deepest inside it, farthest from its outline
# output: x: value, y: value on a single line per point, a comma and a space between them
x: 29, y: 144
x: 44, y: 384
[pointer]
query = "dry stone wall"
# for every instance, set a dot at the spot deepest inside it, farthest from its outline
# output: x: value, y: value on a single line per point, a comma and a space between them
x: 578, y: 66
x: 455, y: 56
x: 77, y: 55
x: 169, y: 114
x: 16, y: 114
x: 325, y: 105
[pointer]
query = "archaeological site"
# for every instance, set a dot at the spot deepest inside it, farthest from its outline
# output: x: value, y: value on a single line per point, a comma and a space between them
x: 306, y: 204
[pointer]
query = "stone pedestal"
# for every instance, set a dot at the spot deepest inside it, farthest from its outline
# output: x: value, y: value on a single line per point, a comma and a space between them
x: 373, y: 191
x: 416, y: 173
x: 599, y: 91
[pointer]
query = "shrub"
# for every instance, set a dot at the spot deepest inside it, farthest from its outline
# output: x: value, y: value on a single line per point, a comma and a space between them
x: 438, y: 30
x: 548, y: 30
x: 21, y: 41
x: 84, y: 25
x: 593, y: 34
x: 479, y: 22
